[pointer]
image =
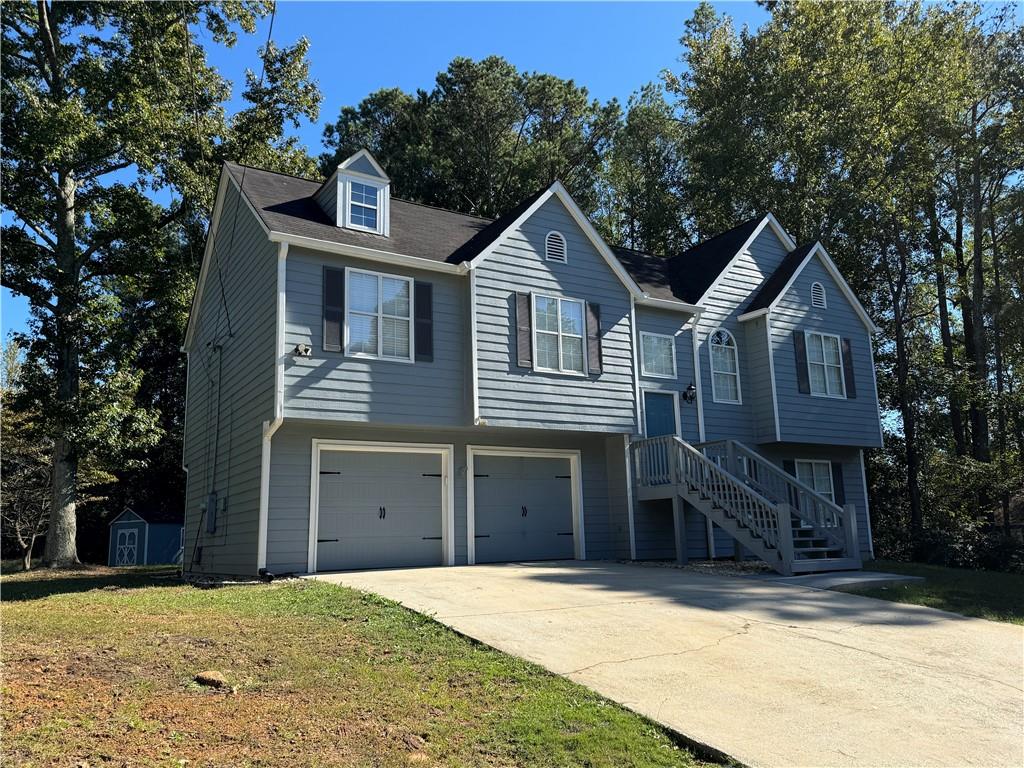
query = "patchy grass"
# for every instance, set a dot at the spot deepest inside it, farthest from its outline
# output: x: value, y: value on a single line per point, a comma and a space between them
x: 985, y: 594
x: 99, y: 666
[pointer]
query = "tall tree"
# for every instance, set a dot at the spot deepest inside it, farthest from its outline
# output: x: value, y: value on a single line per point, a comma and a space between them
x: 105, y: 103
x: 485, y: 137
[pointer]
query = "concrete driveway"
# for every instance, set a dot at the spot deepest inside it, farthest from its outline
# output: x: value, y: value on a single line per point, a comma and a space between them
x: 772, y: 674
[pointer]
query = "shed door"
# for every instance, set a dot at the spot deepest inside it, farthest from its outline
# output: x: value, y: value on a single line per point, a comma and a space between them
x: 127, y: 546
x: 523, y: 509
x: 378, y: 510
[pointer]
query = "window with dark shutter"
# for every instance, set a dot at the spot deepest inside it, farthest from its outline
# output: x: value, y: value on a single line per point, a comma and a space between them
x: 524, y: 331
x: 838, y: 489
x: 800, y: 347
x: 593, y: 338
x: 851, y: 384
x: 334, y: 308
x: 424, y: 330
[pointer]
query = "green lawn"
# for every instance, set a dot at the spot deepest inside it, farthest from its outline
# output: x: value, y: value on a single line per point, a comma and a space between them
x: 985, y: 594
x: 98, y: 668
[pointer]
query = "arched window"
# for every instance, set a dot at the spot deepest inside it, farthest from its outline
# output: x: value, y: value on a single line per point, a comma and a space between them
x: 725, y: 367
x: 818, y: 296
x: 554, y: 247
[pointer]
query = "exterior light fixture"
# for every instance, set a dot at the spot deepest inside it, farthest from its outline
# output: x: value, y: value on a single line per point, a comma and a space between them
x: 302, y: 350
x: 690, y: 394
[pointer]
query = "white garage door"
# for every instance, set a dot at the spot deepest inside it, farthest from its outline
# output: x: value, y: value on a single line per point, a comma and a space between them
x: 378, y: 510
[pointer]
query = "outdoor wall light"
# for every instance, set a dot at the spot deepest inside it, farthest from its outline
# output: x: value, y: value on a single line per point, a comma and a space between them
x: 302, y: 350
x: 690, y: 394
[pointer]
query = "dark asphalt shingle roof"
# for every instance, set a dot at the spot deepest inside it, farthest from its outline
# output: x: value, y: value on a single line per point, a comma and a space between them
x: 771, y: 287
x: 285, y: 204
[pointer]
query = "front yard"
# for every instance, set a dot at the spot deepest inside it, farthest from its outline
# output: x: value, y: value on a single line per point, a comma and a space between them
x: 984, y: 594
x: 99, y: 667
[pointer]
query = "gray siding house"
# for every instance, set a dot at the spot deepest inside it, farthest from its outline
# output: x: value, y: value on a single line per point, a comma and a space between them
x: 377, y: 383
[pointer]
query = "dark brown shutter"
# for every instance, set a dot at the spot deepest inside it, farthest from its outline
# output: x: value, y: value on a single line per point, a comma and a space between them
x: 803, y: 383
x: 594, y: 337
x: 334, y: 308
x: 838, y: 489
x: 424, y: 330
x: 851, y: 383
x: 524, y: 331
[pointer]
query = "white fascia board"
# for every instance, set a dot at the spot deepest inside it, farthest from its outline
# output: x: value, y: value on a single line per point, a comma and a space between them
x: 830, y: 267
x: 582, y: 221
x: 370, y: 254
x: 754, y: 315
x: 344, y: 166
x: 768, y: 221
x: 677, y: 306
x: 126, y: 511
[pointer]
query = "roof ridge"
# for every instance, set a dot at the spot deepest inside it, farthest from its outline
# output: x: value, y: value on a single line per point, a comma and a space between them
x: 441, y: 208
x: 276, y: 173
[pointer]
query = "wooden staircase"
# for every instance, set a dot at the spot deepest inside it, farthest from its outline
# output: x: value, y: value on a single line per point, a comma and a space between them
x: 772, y: 514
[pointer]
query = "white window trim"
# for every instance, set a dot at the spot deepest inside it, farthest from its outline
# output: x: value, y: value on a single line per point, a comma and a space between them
x: 533, y: 323
x: 447, y: 454
x: 576, y: 480
x: 380, y: 326
x: 831, y: 494
x: 565, y: 247
x: 383, y: 203
x: 824, y: 296
x: 711, y: 368
x: 643, y: 361
x: 644, y: 391
x: 842, y: 367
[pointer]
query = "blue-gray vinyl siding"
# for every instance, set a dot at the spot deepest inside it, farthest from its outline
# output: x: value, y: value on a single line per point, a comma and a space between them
x: 520, y: 397
x: 679, y: 325
x: 604, y: 494
x: 805, y: 418
x: 327, y: 198
x: 759, y: 378
x: 744, y: 421
x: 363, y: 165
x: 230, y: 392
x: 331, y: 386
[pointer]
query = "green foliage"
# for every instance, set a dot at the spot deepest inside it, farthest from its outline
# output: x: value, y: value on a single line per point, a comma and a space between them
x: 483, y: 139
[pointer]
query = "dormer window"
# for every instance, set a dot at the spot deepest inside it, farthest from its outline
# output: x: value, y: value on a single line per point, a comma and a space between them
x: 363, y: 205
x: 358, y: 195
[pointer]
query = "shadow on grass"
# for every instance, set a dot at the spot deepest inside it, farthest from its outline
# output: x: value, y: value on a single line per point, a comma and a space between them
x: 41, y: 583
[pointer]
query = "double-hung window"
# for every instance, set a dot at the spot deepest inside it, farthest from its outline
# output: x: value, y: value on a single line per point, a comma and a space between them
x: 818, y: 476
x: 657, y: 355
x: 363, y: 206
x: 825, y: 365
x: 558, y: 334
x: 725, y: 367
x: 378, y: 316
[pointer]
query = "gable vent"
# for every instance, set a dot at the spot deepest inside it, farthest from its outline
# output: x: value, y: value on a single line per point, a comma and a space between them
x: 818, y: 296
x: 554, y: 247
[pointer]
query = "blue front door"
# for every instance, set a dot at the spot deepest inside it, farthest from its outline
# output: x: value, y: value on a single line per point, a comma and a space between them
x: 659, y: 414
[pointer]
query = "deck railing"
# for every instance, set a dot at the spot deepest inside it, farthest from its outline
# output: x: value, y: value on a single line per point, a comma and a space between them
x: 668, y: 460
x: 838, y: 524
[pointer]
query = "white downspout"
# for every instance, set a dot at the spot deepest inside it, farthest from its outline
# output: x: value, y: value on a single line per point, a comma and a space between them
x: 270, y: 427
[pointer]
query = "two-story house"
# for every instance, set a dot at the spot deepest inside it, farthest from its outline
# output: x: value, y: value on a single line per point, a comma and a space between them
x: 378, y: 383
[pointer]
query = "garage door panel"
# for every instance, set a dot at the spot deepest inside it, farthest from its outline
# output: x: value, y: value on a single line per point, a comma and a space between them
x: 522, y: 508
x: 379, y: 510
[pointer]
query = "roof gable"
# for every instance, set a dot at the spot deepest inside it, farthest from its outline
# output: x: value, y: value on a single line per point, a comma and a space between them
x: 778, y: 284
x: 363, y: 162
x: 509, y: 223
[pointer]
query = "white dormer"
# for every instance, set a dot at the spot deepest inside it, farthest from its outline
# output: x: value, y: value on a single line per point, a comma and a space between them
x: 358, y: 195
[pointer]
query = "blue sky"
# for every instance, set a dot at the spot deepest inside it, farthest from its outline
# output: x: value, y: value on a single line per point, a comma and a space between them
x: 356, y: 48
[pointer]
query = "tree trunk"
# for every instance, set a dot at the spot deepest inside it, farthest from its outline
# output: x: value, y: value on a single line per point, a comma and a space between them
x: 26, y: 555
x: 997, y: 308
x: 956, y: 416
x: 963, y: 280
x: 979, y: 427
x: 60, y: 535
